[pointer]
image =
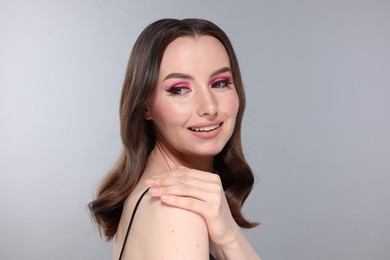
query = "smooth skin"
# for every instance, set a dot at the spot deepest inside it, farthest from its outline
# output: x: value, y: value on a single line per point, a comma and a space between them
x: 185, y: 214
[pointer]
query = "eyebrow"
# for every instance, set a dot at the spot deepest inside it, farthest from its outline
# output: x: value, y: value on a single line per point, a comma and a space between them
x: 177, y: 75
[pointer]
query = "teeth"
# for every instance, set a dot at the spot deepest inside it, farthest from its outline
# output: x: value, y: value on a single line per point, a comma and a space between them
x: 205, y: 128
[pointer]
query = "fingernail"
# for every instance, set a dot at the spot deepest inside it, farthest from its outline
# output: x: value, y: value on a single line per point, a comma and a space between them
x: 153, y: 190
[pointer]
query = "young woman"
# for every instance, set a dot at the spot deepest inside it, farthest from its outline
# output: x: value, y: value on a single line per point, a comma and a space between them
x: 177, y: 189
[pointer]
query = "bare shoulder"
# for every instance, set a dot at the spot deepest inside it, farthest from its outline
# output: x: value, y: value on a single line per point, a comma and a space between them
x: 164, y: 232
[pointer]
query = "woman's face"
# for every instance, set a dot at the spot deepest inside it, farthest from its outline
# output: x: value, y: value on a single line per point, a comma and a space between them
x: 195, y: 103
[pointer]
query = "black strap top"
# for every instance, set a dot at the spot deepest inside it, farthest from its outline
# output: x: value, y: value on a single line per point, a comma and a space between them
x: 131, y: 222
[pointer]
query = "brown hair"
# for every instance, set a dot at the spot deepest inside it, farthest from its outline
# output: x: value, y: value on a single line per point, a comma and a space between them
x: 138, y: 136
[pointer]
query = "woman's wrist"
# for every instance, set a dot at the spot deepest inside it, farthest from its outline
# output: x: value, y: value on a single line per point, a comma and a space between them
x: 238, y: 247
x: 234, y: 239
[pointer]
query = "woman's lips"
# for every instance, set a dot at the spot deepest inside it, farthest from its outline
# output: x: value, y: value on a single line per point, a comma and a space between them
x: 206, y: 131
x: 206, y: 128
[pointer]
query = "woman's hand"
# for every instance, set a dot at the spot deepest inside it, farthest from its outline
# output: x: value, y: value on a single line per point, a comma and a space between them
x: 200, y: 192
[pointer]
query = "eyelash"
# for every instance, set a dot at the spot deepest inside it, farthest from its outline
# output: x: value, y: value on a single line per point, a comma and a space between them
x: 178, y: 90
x: 226, y: 82
x: 175, y: 89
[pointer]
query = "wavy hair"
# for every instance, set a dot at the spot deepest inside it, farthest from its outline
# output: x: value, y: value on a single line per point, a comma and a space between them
x: 138, y: 136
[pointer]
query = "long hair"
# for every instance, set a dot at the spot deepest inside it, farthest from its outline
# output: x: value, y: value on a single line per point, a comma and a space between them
x: 138, y: 136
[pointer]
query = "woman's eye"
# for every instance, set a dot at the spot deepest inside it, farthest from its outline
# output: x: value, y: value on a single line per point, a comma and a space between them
x: 178, y: 91
x: 221, y: 83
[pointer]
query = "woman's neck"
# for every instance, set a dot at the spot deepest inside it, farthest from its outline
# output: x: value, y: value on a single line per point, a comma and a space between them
x: 173, y: 160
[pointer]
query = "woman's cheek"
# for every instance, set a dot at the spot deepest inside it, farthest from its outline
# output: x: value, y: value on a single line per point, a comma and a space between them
x: 233, y: 105
x: 170, y: 113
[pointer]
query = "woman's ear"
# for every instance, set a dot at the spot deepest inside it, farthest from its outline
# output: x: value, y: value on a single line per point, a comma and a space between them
x: 147, y: 114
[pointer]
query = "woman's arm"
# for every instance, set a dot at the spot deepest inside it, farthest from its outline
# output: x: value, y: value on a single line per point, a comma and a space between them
x: 202, y: 193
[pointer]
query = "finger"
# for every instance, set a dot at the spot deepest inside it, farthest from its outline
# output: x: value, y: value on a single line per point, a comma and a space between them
x: 192, y: 173
x: 206, y: 192
x: 180, y: 179
x: 181, y: 176
x: 184, y: 186
x: 195, y: 205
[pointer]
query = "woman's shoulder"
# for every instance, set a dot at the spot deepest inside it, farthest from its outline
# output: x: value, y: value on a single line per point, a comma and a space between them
x: 168, y: 232
x: 173, y: 231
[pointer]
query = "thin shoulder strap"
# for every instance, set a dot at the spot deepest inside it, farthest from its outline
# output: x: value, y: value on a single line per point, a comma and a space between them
x: 131, y: 222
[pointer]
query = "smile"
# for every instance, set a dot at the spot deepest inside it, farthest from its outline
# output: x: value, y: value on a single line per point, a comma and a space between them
x: 205, y: 128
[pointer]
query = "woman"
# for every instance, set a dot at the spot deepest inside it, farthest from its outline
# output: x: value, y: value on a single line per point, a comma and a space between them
x: 182, y: 169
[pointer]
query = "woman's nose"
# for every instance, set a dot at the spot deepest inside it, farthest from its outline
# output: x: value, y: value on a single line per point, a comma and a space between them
x: 207, y: 104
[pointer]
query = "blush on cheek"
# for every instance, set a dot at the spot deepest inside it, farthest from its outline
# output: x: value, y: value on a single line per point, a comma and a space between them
x: 234, y: 106
x: 167, y: 112
x: 160, y: 110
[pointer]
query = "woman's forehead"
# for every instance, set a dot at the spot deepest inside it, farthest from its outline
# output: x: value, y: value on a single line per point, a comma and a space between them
x: 187, y: 55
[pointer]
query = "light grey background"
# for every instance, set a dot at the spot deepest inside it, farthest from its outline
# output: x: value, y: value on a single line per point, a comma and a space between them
x: 316, y: 131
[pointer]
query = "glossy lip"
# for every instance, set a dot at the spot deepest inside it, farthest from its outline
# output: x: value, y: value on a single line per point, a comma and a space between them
x: 206, y: 124
x: 206, y: 134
